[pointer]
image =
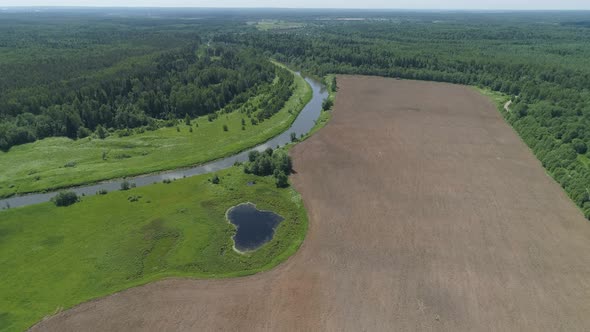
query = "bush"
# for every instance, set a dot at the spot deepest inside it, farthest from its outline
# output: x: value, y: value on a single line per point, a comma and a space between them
x: 215, y: 179
x: 293, y: 137
x: 282, y: 180
x: 65, y: 198
x: 225, y: 128
x: 123, y: 132
x: 83, y: 132
x: 253, y: 155
x: 133, y: 198
x: 101, y: 132
x: 125, y: 185
x: 102, y: 192
x: 327, y: 104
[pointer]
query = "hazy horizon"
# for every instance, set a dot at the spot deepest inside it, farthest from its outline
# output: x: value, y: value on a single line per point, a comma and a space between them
x: 309, y: 4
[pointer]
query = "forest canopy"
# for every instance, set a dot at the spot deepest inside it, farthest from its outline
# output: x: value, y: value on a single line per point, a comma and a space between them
x: 127, y: 83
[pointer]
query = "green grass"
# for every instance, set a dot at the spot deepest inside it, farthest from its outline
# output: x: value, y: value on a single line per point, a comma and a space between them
x: 53, y: 258
x: 40, y: 165
x: 498, y: 98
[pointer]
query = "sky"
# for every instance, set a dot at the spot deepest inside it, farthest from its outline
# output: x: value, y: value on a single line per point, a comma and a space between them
x: 371, y: 4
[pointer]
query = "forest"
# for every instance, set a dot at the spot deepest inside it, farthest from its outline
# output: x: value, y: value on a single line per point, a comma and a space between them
x: 148, y: 81
x: 63, y: 76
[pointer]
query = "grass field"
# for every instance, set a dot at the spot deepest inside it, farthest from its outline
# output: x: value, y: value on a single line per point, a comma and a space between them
x: 41, y: 165
x: 498, y: 98
x: 53, y: 258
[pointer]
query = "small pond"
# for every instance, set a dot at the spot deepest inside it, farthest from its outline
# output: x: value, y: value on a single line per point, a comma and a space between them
x: 254, y: 227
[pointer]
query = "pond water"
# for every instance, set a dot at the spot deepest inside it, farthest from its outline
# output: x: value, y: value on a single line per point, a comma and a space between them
x: 302, y: 125
x: 254, y: 227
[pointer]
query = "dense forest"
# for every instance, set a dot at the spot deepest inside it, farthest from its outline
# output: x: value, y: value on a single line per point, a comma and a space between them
x: 124, y: 70
x: 84, y: 91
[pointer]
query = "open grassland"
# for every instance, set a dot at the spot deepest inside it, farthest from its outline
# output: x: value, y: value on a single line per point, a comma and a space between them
x: 53, y: 258
x: 60, y: 162
x: 427, y: 212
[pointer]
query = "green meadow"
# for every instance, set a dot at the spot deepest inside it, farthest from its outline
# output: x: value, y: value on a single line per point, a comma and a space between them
x: 53, y: 258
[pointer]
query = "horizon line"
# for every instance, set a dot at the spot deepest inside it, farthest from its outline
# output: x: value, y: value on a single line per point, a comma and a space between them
x: 4, y: 7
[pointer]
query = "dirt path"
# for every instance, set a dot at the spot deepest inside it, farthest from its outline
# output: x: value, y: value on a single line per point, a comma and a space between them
x: 427, y: 212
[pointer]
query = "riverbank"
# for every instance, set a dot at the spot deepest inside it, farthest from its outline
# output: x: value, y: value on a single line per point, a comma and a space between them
x: 57, y: 163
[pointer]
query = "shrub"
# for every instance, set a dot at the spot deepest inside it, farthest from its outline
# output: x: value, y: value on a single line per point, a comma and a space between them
x: 253, y: 155
x: 123, y: 132
x: 327, y: 104
x: 293, y: 137
x: 83, y: 132
x: 225, y: 128
x: 134, y: 198
x: 65, y: 198
x: 101, y: 132
x: 215, y: 179
x: 282, y: 180
x: 102, y: 192
x: 125, y: 185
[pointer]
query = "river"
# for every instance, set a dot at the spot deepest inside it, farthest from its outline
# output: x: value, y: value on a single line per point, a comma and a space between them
x: 302, y: 125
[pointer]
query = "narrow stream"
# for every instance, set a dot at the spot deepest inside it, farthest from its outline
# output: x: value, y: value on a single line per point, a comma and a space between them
x: 302, y: 125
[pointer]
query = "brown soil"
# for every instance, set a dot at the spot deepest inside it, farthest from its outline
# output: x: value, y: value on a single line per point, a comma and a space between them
x: 427, y: 212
